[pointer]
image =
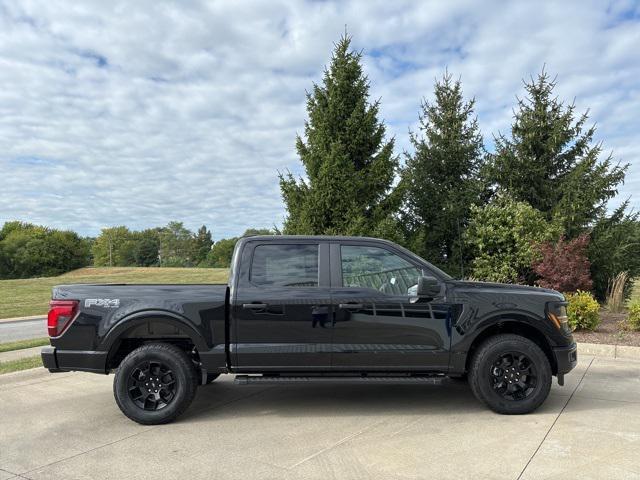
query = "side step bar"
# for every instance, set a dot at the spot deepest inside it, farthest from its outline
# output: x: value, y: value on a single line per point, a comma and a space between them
x: 266, y: 380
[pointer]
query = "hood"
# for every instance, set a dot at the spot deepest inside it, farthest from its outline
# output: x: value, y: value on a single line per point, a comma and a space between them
x: 503, y: 287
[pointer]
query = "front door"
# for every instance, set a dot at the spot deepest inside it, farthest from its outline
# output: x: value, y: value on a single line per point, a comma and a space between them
x: 379, y: 325
x: 281, y: 308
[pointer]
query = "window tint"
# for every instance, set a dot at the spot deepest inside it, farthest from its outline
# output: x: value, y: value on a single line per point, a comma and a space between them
x: 377, y: 268
x: 285, y: 265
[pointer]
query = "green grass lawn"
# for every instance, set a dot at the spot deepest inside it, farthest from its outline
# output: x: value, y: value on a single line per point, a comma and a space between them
x: 31, y: 296
x: 635, y: 293
x: 20, y: 364
x: 22, y: 344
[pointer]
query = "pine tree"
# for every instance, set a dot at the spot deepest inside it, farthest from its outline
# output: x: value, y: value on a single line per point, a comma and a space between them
x: 551, y: 162
x: 350, y: 167
x: 441, y: 177
x: 202, y: 243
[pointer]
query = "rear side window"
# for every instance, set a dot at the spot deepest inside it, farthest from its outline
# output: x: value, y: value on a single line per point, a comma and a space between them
x: 285, y: 265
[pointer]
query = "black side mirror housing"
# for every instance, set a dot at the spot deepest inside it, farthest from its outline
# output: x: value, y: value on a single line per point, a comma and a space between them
x: 428, y: 287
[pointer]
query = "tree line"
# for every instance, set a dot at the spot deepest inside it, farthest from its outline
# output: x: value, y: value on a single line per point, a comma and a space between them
x: 28, y: 250
x: 533, y: 210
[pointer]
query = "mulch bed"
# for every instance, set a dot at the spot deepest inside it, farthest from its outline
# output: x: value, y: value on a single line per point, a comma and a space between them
x: 609, y: 331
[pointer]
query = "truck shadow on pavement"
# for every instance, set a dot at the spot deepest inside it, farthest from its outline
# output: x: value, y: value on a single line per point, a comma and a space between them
x: 224, y: 398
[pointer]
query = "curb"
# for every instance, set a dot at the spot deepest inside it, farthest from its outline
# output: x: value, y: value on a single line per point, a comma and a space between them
x: 23, y: 319
x: 612, y: 351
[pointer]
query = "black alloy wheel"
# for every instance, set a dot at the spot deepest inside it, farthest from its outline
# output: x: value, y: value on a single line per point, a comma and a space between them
x: 152, y: 385
x: 513, y: 376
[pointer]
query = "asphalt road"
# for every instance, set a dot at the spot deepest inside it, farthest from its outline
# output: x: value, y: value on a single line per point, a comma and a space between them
x: 67, y: 426
x: 23, y: 330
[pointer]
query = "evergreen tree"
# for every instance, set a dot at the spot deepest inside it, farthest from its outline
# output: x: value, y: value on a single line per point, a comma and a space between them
x: 442, y: 176
x: 350, y: 167
x: 551, y: 162
x: 202, y: 243
x: 615, y: 248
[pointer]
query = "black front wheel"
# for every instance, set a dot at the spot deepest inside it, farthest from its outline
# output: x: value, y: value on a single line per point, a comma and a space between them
x: 155, y: 383
x: 510, y: 374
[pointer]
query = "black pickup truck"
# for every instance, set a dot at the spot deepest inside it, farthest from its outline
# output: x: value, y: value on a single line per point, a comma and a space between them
x: 305, y: 309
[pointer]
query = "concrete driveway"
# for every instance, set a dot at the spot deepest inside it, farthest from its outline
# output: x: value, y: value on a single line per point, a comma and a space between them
x: 68, y: 426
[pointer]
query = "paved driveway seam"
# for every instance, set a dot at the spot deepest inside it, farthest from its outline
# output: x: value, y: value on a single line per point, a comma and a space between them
x: 556, y: 419
x: 88, y: 451
x: 338, y: 443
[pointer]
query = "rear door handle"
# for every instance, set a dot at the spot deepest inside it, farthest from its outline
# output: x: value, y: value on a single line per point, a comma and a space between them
x: 351, y: 306
x: 254, y: 306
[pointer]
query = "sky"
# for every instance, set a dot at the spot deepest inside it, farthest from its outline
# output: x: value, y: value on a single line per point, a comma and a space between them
x: 139, y: 113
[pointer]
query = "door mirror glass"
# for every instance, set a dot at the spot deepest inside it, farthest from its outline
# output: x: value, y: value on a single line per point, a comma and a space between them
x: 428, y: 287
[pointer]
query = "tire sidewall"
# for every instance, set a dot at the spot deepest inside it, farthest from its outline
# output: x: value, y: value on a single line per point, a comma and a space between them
x: 128, y: 406
x: 483, y: 380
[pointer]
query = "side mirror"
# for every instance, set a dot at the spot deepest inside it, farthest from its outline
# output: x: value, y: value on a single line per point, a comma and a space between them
x: 428, y: 287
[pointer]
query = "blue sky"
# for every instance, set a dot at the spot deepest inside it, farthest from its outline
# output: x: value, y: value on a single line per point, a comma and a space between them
x: 139, y: 113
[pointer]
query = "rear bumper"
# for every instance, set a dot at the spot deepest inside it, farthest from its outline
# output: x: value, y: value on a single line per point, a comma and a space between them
x: 56, y: 360
x: 566, y: 358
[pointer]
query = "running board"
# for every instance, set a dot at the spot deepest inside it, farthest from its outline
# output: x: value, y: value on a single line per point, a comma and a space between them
x: 264, y: 380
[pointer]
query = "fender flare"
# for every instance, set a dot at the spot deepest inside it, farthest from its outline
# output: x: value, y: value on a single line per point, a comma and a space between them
x: 162, y: 316
x: 530, y: 323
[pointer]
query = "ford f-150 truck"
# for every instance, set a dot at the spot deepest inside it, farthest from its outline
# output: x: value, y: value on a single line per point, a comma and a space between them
x: 305, y: 309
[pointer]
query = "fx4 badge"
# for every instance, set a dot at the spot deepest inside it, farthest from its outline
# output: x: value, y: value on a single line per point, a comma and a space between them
x: 102, y: 302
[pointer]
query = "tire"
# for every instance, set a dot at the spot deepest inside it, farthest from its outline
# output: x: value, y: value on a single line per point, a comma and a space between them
x: 155, y: 384
x: 211, y: 377
x: 510, y: 374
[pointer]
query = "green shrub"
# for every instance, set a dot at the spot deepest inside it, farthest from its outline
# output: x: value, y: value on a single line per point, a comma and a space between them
x: 633, y: 321
x: 583, y: 311
x: 502, y: 236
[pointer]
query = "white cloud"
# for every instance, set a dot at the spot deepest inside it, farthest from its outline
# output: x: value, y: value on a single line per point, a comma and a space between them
x: 140, y: 113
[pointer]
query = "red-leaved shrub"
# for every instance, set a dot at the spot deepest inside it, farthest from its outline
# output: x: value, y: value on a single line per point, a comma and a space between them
x: 564, y: 265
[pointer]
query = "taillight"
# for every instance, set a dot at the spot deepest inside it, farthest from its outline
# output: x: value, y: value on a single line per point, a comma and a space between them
x: 61, y: 312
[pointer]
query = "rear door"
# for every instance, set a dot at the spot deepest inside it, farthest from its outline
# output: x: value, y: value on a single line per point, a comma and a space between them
x: 379, y: 325
x: 281, y: 307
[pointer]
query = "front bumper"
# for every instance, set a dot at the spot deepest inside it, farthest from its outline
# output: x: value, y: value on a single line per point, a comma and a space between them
x: 566, y: 358
x: 56, y: 360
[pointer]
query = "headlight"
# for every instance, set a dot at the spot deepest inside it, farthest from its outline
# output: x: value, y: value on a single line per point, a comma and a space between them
x: 557, y: 313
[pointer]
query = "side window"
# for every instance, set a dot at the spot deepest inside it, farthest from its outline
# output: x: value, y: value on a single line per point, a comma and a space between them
x: 285, y: 265
x: 377, y: 268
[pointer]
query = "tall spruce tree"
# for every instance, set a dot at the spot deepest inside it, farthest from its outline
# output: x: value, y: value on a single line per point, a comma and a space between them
x: 202, y: 243
x: 551, y: 161
x: 441, y: 177
x: 350, y: 167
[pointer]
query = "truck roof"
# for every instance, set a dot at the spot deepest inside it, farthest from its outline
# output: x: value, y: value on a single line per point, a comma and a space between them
x: 312, y: 237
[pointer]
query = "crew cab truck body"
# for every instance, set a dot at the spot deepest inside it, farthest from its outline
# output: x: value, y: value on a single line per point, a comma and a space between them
x: 313, y: 309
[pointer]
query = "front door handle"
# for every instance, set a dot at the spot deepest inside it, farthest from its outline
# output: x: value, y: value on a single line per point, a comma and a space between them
x: 351, y: 306
x: 254, y: 306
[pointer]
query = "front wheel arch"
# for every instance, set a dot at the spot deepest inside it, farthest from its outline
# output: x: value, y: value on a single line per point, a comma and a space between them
x: 517, y: 328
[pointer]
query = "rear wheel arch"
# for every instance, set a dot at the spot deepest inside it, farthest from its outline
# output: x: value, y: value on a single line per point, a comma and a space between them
x: 515, y: 327
x: 150, y: 327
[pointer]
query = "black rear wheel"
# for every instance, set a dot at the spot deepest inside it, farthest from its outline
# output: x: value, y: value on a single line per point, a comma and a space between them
x: 155, y: 383
x: 510, y: 374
